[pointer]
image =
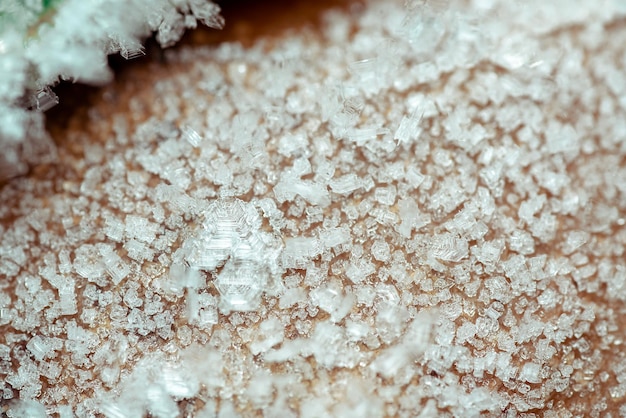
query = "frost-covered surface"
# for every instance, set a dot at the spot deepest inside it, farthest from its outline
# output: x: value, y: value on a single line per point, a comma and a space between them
x: 42, y: 42
x: 420, y: 212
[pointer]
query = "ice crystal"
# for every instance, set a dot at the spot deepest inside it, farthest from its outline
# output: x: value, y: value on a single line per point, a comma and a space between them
x: 446, y: 179
x: 230, y: 245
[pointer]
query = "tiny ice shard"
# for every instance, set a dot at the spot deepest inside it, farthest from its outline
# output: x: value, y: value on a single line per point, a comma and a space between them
x: 231, y: 246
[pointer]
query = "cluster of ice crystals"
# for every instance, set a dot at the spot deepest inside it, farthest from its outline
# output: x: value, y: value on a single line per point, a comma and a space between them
x: 230, y: 245
x: 44, y: 41
x: 417, y: 210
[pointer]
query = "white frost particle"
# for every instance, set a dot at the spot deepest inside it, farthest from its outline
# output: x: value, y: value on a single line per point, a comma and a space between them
x: 334, y: 237
x: 224, y: 225
x: 299, y: 250
x: 448, y: 247
x: 26, y: 408
x: 381, y: 250
x: 159, y: 404
x: 114, y: 265
x: 359, y: 270
x: 240, y: 284
x: 385, y: 195
x: 176, y: 382
x: 315, y: 193
x: 229, y: 236
x: 575, y: 240
x: 270, y: 333
x: 529, y: 208
x: 88, y: 262
x: 410, y: 217
x: 530, y: 373
x: 346, y: 184
x: 332, y: 300
x: 38, y: 347
x: 191, y: 136
x: 465, y: 332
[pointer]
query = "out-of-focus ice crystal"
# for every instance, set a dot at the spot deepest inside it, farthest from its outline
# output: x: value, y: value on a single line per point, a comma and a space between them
x: 230, y: 245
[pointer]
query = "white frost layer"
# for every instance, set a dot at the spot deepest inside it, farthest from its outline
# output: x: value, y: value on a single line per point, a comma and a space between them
x: 74, y: 45
x: 445, y: 182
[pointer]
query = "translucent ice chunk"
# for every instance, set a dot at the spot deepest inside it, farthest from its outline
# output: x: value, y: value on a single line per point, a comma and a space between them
x: 38, y: 347
x: 225, y: 224
x: 447, y: 247
x: 346, y: 184
x: 228, y: 236
x: 240, y: 284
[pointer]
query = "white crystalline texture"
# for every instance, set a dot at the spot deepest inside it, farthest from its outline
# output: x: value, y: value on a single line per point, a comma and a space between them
x: 159, y: 404
x: 331, y: 238
x: 381, y: 250
x: 88, y: 262
x: 140, y: 228
x: 230, y: 237
x: 446, y: 179
x: 270, y: 333
x: 575, y: 240
x: 447, y: 247
x: 38, y: 347
x: 359, y: 270
x: 26, y: 408
x: 46, y: 99
x: 73, y: 43
x: 529, y: 208
x: 299, y: 250
x: 465, y: 332
x: 191, y: 135
x: 225, y: 225
x: 531, y: 373
x: 331, y: 299
x: 409, y: 129
x: 240, y: 284
x: 414, y: 177
x: 315, y: 193
x: 291, y: 185
x: 410, y: 217
x: 176, y: 382
x: 346, y: 184
x: 291, y: 144
x: 114, y: 265
x: 385, y: 195
x: 329, y: 349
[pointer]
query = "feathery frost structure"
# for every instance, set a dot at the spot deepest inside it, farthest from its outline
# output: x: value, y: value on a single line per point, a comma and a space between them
x: 42, y: 42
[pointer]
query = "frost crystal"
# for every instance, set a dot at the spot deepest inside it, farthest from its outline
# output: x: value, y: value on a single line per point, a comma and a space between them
x: 446, y: 179
x: 230, y: 245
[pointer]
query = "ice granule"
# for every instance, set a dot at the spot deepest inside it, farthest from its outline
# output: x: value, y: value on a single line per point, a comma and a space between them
x: 530, y: 372
x: 38, y: 347
x: 345, y: 184
x: 224, y: 225
x: 447, y: 247
x: 381, y: 250
x: 424, y: 166
x: 298, y: 250
x: 385, y: 195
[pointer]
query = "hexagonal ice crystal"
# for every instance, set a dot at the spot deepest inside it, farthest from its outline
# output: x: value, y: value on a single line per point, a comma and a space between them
x: 240, y: 284
x: 226, y: 223
x: 230, y: 237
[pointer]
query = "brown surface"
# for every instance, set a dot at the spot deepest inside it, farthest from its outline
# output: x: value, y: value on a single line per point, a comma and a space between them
x: 246, y: 22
